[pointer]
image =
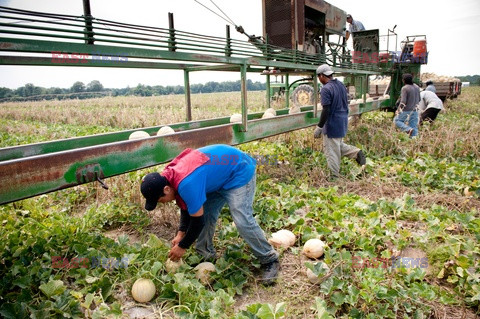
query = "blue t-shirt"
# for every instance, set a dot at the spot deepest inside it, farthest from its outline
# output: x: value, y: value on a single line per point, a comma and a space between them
x: 334, y: 94
x: 228, y: 168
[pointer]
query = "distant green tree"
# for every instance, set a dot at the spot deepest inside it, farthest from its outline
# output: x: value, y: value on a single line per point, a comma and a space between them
x: 56, y: 91
x: 142, y: 90
x: 29, y: 89
x: 94, y: 86
x: 5, y: 92
x: 77, y: 87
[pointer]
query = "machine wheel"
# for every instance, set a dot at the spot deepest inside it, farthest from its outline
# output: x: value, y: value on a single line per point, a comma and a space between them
x: 303, y: 95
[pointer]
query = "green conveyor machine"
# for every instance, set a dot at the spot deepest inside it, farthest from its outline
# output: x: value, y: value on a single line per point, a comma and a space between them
x: 49, y: 39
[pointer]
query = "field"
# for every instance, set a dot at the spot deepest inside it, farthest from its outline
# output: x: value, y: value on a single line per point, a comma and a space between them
x: 414, y: 199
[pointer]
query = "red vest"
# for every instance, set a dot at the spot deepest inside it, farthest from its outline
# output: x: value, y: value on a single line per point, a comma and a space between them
x: 182, y: 166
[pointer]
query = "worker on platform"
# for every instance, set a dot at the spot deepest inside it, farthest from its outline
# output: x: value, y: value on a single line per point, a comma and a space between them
x: 354, y: 26
x: 334, y: 122
x: 430, y: 105
x: 406, y: 116
x: 202, y: 181
x: 430, y: 86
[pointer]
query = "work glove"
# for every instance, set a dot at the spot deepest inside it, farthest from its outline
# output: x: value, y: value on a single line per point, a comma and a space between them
x: 318, y: 132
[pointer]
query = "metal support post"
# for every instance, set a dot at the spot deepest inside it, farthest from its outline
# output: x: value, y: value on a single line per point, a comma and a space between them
x: 228, y: 45
x: 88, y: 22
x: 287, y: 92
x: 188, y: 102
x: 315, y: 95
x: 268, y: 97
x: 172, y: 45
x: 243, y: 72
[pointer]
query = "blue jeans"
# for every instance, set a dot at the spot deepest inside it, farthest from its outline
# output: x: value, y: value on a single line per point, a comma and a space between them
x: 410, y: 117
x: 240, y: 202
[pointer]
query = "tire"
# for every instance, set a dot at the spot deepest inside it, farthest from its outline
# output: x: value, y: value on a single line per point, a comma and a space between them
x: 302, y: 95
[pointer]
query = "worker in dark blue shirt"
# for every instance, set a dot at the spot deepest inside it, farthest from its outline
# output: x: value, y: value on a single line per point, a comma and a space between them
x: 334, y: 122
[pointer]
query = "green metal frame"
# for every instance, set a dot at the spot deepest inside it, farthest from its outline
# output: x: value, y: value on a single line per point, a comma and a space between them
x: 34, y: 169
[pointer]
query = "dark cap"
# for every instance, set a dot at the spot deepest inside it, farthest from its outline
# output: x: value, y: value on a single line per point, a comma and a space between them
x: 349, y: 16
x: 152, y: 189
x: 408, y: 78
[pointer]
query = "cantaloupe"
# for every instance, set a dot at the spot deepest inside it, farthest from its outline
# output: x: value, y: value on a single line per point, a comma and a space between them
x: 271, y: 110
x: 294, y: 109
x: 203, y: 271
x: 237, y: 117
x: 313, y: 248
x: 165, y: 130
x: 267, y: 115
x: 172, y: 266
x: 282, y: 238
x: 138, y: 135
x: 143, y: 290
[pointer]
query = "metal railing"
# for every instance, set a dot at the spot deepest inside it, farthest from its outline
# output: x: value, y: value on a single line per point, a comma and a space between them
x: 31, y: 25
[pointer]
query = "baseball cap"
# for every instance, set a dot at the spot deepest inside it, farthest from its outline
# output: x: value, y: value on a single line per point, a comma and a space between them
x: 325, y: 70
x: 349, y: 16
x: 152, y: 189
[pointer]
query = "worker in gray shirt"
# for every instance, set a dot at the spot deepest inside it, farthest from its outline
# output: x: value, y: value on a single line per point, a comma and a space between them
x: 354, y: 26
x: 406, y: 117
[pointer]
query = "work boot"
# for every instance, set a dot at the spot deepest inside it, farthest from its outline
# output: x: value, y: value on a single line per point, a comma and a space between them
x: 361, y: 160
x: 270, y: 272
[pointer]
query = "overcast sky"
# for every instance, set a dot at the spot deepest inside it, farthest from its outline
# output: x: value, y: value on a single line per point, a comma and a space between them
x: 451, y: 28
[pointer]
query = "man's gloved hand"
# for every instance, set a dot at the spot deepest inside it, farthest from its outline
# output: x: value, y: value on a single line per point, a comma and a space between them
x: 317, y: 133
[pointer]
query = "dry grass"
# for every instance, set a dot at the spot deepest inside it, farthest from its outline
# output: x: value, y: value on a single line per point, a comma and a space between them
x: 129, y: 111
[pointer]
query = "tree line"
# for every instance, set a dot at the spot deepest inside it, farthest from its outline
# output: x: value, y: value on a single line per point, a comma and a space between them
x: 95, y: 89
x: 473, y: 79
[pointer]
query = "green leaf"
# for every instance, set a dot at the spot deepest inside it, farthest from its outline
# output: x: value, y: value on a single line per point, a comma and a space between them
x: 90, y: 279
x: 326, y: 286
x: 321, y: 309
x: 156, y: 267
x: 266, y: 312
x: 280, y: 310
x: 53, y: 288
x: 115, y: 309
x: 88, y: 301
x: 22, y: 282
x: 441, y: 274
x: 460, y: 271
x: 76, y: 294
x: 154, y: 242
x: 338, y: 298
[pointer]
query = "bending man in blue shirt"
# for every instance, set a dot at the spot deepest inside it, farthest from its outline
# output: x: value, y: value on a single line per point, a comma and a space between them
x: 202, y: 181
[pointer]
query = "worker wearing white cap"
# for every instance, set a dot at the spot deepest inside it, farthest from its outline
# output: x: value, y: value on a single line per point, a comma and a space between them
x: 354, y: 26
x: 334, y: 121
